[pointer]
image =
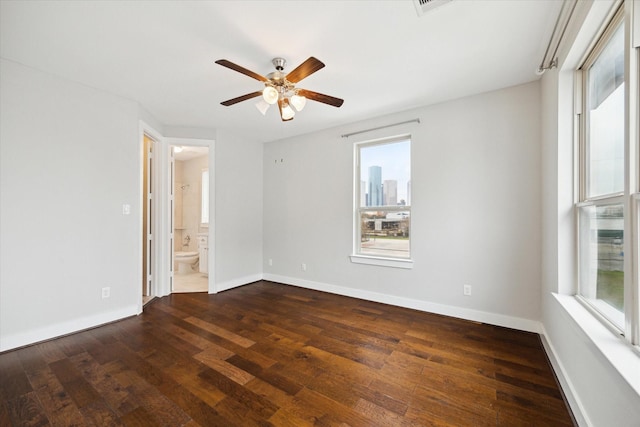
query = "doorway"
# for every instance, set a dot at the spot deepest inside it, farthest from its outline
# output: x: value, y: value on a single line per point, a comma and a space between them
x: 159, y: 237
x: 189, y: 207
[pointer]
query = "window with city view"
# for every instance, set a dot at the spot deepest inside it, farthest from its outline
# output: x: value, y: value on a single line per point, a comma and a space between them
x: 383, y: 198
x: 601, y: 206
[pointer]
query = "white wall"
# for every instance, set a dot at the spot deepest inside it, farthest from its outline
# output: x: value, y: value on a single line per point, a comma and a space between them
x: 69, y: 159
x: 238, y: 211
x: 475, y: 214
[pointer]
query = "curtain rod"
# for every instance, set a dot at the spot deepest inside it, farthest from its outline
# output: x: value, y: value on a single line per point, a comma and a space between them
x: 347, y: 135
x: 553, y: 60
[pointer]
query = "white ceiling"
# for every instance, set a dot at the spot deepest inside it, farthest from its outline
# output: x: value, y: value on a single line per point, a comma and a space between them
x: 380, y: 56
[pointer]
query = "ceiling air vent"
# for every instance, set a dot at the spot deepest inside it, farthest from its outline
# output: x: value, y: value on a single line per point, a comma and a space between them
x: 423, y: 6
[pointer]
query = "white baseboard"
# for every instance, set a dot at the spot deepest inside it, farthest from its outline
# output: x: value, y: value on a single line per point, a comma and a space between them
x: 234, y: 283
x: 447, y: 310
x: 65, y: 328
x: 565, y: 383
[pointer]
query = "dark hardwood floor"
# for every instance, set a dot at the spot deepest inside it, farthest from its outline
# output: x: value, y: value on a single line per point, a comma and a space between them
x: 269, y: 354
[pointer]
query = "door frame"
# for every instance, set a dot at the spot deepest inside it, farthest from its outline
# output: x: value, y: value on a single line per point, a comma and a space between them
x: 162, y: 220
x: 148, y: 213
x: 148, y: 131
x: 166, y: 233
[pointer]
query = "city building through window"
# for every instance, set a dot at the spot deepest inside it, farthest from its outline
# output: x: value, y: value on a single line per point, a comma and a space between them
x: 383, y: 198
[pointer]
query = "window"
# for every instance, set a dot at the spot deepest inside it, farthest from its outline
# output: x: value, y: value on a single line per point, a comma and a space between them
x: 383, y: 200
x: 204, y: 206
x: 605, y: 119
x: 601, y: 206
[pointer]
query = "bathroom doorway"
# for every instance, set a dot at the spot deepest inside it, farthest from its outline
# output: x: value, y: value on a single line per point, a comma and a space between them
x: 189, y: 205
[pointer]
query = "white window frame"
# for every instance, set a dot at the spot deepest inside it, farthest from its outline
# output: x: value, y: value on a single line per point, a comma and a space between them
x: 357, y: 256
x: 629, y: 197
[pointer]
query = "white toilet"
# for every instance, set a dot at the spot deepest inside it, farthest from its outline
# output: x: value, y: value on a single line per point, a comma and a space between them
x: 186, y: 261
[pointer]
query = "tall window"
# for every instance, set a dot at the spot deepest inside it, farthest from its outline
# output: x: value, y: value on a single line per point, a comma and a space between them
x: 383, y: 199
x: 204, y: 196
x: 601, y: 207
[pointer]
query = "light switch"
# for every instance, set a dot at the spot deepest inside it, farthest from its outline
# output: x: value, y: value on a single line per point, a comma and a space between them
x: 126, y: 209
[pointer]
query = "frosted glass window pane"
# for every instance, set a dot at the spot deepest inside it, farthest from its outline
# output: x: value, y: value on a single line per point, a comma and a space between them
x: 204, y: 219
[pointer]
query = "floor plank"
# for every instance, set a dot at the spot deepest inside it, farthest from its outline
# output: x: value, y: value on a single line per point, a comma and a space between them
x: 268, y: 354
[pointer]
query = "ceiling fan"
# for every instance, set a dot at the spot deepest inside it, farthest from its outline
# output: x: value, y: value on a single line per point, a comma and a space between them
x: 279, y: 87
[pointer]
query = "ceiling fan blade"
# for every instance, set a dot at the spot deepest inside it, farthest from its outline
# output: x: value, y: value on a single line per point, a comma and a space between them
x: 280, y: 103
x: 242, y: 70
x: 241, y: 98
x: 305, y: 69
x: 319, y: 97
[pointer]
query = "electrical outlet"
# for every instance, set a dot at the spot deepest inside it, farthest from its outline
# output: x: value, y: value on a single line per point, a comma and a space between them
x: 270, y: 262
x: 467, y: 290
x: 106, y: 292
x: 304, y: 267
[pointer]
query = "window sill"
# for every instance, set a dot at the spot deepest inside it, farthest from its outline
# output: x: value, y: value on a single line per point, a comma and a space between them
x: 382, y: 262
x: 624, y: 357
x: 610, y: 316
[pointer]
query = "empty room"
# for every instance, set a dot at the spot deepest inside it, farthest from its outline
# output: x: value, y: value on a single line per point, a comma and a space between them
x: 297, y: 213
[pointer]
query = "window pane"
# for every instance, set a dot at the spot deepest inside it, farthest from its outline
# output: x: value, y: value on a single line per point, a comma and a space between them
x: 602, y: 259
x: 384, y: 174
x: 384, y: 233
x: 606, y: 119
x: 204, y: 217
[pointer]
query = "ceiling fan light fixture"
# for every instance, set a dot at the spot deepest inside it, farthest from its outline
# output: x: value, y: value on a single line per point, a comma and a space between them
x: 270, y: 95
x: 280, y: 87
x: 287, y: 111
x: 298, y: 102
x: 262, y: 106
